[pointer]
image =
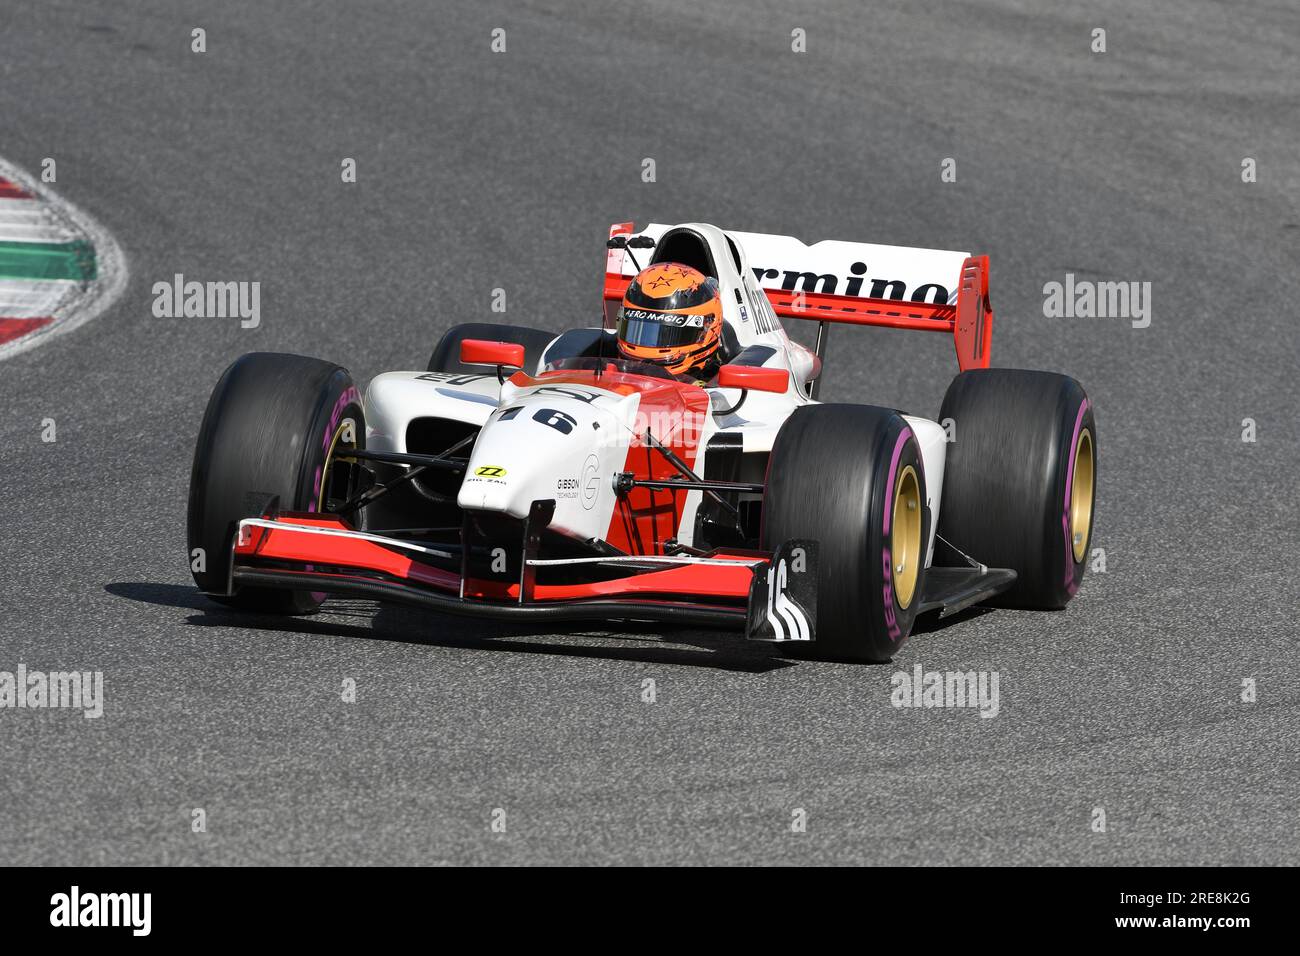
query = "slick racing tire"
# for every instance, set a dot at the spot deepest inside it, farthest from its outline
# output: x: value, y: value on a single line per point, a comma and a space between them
x: 850, y: 477
x: 1019, y: 484
x: 446, y: 354
x: 265, y: 447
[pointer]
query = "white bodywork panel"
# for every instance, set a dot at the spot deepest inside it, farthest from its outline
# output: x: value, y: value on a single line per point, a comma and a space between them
x: 934, y: 452
x: 596, y: 448
x: 395, y: 399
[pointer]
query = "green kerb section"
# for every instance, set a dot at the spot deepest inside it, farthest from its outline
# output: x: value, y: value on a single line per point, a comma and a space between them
x: 47, y: 260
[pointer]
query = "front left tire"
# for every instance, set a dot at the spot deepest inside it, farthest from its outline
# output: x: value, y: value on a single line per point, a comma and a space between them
x: 851, y: 478
x: 266, y: 444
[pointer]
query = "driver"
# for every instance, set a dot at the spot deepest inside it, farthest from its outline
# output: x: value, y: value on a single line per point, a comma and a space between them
x: 672, y: 316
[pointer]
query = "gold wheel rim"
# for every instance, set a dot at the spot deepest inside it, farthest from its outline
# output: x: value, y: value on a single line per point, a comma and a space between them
x: 905, y: 536
x: 1081, y: 488
x: 329, y: 458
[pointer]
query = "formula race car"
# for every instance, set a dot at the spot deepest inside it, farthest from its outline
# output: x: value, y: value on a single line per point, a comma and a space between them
x: 670, y: 463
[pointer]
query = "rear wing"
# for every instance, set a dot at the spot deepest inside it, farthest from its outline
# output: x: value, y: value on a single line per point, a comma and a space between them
x: 854, y: 283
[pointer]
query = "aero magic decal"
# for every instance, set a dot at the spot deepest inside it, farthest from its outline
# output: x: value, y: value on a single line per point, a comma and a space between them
x: 58, y: 267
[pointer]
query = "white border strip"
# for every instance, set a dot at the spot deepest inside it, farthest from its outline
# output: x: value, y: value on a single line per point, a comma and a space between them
x: 678, y: 559
x: 94, y: 298
x: 336, y: 533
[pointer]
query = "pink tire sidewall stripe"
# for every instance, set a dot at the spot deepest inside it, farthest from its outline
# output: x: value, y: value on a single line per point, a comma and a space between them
x: 1071, y: 585
x: 903, y: 436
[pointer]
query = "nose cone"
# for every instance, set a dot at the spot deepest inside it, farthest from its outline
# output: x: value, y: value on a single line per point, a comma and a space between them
x: 488, y: 488
x: 546, y: 445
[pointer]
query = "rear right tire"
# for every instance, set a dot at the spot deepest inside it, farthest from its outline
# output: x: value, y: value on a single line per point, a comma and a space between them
x: 1019, y: 484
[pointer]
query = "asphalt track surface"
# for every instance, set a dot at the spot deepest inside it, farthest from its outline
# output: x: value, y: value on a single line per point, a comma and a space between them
x: 479, y: 170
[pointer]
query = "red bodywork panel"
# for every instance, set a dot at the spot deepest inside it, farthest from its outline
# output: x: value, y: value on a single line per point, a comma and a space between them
x: 287, y: 543
x: 486, y: 352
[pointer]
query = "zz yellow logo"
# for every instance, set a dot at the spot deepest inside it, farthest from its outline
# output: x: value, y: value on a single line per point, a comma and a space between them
x: 490, y: 471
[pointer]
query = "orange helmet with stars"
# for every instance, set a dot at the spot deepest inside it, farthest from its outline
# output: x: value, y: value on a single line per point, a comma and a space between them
x: 672, y: 316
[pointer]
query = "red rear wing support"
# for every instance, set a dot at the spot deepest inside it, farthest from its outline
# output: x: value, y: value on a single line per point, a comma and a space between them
x: 970, y: 320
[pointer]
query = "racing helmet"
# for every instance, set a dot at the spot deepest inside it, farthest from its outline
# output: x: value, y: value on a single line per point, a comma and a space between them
x: 672, y: 316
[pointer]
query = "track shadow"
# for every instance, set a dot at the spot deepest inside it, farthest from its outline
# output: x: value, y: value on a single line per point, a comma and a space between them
x: 929, y: 623
x: 719, y: 650
x: 163, y: 595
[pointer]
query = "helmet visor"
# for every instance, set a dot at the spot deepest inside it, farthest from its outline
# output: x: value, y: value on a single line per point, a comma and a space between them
x: 659, y: 330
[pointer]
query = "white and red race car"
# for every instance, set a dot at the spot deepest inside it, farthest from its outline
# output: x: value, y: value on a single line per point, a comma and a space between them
x: 542, y: 476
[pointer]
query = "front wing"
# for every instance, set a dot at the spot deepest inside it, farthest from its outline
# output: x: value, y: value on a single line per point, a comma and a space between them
x: 771, y: 596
